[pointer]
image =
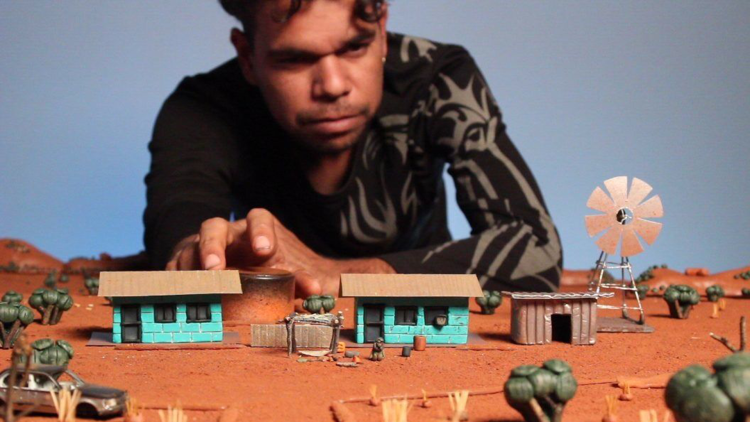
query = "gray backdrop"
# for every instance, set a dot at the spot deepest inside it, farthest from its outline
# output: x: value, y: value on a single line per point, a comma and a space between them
x: 589, y: 90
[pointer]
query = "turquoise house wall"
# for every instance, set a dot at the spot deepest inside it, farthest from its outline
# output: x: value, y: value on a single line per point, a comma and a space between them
x: 455, y: 332
x: 179, y: 331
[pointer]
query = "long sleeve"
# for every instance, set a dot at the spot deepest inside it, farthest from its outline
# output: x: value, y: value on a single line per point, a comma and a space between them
x: 188, y: 182
x: 514, y: 244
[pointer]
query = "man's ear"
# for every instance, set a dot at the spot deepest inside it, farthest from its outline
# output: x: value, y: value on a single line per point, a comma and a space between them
x: 382, y: 25
x: 244, y: 54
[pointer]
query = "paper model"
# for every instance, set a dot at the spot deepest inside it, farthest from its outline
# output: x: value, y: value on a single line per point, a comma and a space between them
x: 396, y: 307
x: 168, y: 306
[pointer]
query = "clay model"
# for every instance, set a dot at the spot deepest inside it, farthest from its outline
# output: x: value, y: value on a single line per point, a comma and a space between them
x: 397, y: 307
x: 642, y: 290
x: 714, y: 293
x: 378, y: 350
x: 330, y: 320
x: 489, y: 302
x: 14, y: 317
x: 50, y: 303
x: 539, y: 394
x: 168, y: 306
x: 681, y: 299
x: 95, y: 400
x: 319, y: 304
x: 745, y: 275
x: 92, y: 285
x: 50, y: 352
x: 540, y: 318
x: 51, y: 280
x: 745, y: 292
x: 624, y: 220
x: 18, y: 256
x: 12, y: 297
x: 694, y: 394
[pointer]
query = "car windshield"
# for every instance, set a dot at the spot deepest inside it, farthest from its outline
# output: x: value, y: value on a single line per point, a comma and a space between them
x: 69, y: 377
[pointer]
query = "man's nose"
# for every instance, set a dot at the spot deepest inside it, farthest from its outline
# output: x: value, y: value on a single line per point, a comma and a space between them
x: 331, y: 79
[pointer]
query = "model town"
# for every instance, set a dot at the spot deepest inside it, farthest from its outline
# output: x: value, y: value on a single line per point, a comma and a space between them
x: 105, y: 339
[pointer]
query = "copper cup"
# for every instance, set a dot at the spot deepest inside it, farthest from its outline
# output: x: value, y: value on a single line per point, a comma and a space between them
x: 420, y: 343
x: 267, y: 297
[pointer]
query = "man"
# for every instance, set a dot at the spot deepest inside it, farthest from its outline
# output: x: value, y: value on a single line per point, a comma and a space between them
x: 326, y: 139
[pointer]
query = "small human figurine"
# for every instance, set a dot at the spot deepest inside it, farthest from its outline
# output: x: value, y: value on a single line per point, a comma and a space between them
x: 378, y: 350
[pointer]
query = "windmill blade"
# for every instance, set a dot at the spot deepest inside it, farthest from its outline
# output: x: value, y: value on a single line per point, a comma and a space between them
x: 648, y: 230
x: 600, y: 201
x: 630, y: 244
x: 595, y: 224
x: 608, y: 242
x: 649, y: 209
x: 618, y: 188
x: 639, y: 190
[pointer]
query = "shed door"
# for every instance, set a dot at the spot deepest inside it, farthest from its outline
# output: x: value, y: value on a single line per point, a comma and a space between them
x: 131, y: 323
x: 373, y: 322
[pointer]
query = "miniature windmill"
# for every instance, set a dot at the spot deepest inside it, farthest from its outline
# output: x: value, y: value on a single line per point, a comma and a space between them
x: 624, y: 220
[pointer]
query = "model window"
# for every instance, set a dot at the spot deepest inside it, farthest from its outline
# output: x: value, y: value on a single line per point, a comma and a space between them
x: 198, y: 312
x: 165, y: 313
x: 434, y: 314
x: 406, y: 315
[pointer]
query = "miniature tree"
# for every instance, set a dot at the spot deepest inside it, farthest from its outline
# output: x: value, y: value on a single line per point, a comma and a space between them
x: 695, y: 395
x: 92, y: 285
x: 14, y: 317
x: 64, y: 278
x: 50, y: 304
x: 681, y: 299
x: 490, y: 301
x: 642, y: 290
x: 714, y: 293
x: 540, y: 394
x: 319, y: 304
x: 49, y: 352
x: 745, y: 292
x: 51, y: 280
x: 12, y: 297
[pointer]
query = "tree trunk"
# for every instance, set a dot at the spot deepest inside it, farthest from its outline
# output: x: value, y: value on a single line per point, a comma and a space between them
x: 14, y: 332
x: 4, y: 335
x: 47, y: 314
x: 57, y: 316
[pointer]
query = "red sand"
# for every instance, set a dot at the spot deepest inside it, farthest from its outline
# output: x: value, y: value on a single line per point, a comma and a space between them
x: 264, y: 384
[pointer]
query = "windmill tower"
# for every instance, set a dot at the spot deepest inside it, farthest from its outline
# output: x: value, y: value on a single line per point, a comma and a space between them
x: 625, y: 219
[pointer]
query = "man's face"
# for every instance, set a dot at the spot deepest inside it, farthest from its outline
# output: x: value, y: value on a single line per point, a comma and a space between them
x: 321, y: 72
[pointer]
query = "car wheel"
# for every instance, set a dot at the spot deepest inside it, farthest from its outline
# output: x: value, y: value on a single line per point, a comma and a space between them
x: 85, y: 410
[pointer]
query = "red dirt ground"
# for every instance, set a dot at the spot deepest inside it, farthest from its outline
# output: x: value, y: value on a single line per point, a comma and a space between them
x: 264, y: 384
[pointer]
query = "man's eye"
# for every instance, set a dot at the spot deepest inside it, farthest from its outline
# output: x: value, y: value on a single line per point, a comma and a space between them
x: 356, y: 50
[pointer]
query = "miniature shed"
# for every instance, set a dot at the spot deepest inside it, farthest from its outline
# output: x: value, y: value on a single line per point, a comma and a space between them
x: 397, y: 307
x: 168, y: 306
x: 540, y: 318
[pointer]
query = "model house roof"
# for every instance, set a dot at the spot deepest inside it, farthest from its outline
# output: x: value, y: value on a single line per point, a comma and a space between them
x: 168, y: 283
x: 557, y: 296
x: 410, y: 285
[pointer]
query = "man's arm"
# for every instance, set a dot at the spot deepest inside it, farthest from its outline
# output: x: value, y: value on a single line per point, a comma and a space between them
x: 514, y: 243
x: 188, y: 180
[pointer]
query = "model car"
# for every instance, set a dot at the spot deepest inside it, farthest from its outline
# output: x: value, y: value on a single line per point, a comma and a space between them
x: 96, y: 400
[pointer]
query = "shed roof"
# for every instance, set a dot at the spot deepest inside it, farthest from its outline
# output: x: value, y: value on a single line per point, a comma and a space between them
x: 557, y: 296
x: 410, y: 285
x: 168, y: 283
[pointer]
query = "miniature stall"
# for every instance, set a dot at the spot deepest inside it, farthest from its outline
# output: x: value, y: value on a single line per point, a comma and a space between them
x: 168, y: 306
x: 396, y: 307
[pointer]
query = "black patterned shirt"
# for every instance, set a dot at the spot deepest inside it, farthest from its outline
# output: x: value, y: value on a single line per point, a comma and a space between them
x: 217, y: 152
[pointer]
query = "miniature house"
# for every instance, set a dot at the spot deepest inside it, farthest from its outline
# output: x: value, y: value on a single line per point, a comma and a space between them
x: 397, y: 307
x: 168, y: 306
x: 540, y: 318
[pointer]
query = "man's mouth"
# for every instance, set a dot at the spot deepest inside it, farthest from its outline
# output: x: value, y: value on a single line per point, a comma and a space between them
x: 334, y: 124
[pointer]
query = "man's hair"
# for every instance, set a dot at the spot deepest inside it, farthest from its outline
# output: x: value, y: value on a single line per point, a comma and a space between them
x: 244, y: 11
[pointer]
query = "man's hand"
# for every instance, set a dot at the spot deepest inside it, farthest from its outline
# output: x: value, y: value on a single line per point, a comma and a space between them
x: 260, y: 240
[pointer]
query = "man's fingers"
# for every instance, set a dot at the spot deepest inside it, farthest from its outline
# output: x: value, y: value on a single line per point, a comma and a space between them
x: 260, y: 230
x: 306, y: 285
x: 214, y: 235
x: 188, y: 259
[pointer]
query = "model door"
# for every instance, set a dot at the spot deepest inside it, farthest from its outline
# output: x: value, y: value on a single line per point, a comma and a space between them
x: 373, y: 322
x: 131, y: 323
